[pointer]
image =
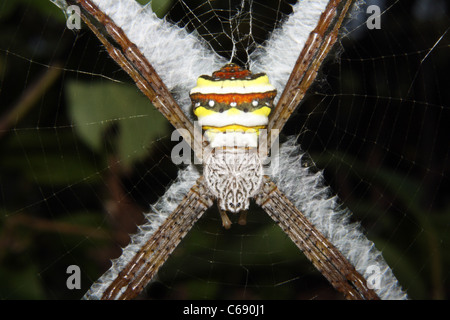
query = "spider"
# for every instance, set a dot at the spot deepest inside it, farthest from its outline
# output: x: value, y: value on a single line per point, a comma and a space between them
x: 232, y: 172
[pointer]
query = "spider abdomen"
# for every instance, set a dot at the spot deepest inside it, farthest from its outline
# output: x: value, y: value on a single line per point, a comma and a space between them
x: 232, y: 106
x: 233, y: 176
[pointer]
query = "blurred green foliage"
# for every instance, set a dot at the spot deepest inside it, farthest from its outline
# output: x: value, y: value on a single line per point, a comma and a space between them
x: 95, y: 107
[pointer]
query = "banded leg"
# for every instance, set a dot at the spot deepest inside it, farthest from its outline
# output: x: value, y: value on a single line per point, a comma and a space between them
x: 321, y: 252
x: 152, y: 255
x: 131, y: 59
x: 317, y: 47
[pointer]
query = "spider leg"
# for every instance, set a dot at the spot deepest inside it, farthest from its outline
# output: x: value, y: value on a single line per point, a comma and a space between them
x: 321, y: 252
x: 226, y: 222
x: 145, y: 263
x: 131, y: 59
x: 317, y: 47
x: 242, y: 218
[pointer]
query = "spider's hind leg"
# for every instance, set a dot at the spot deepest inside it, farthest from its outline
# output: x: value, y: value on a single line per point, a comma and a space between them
x: 226, y: 222
x: 243, y: 218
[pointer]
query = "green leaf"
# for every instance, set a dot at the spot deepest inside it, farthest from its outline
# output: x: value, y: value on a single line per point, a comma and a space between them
x: 96, y: 106
x: 160, y: 7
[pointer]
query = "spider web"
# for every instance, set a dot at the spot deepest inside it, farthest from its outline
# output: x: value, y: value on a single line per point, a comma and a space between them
x: 83, y: 153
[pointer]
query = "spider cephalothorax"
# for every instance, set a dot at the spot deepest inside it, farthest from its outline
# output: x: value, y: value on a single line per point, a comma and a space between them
x: 232, y: 107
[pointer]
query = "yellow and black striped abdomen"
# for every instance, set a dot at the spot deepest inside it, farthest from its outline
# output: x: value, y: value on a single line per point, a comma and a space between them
x: 232, y: 105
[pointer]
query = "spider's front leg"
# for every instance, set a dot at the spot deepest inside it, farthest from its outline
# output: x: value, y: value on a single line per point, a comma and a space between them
x: 132, y: 60
x: 318, y: 45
